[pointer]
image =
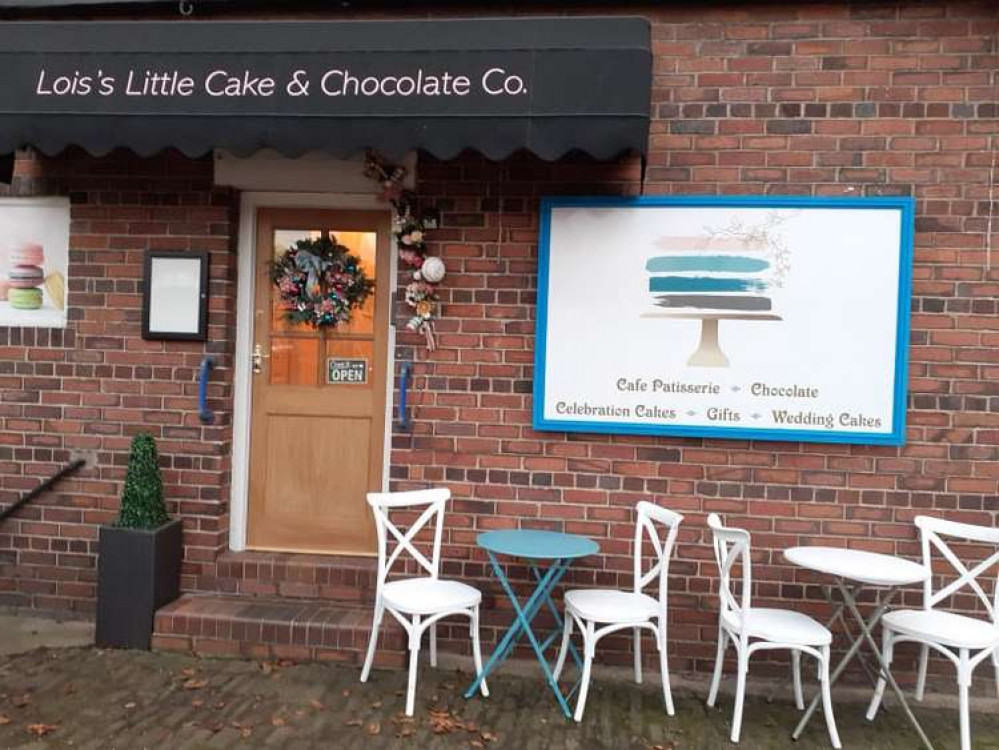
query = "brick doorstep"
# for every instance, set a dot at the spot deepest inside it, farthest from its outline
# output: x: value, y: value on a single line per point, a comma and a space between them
x: 261, y: 628
x: 294, y: 576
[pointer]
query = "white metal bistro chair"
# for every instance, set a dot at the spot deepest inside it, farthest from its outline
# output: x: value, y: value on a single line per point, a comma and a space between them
x: 752, y: 629
x: 599, y: 612
x: 417, y: 603
x: 967, y: 641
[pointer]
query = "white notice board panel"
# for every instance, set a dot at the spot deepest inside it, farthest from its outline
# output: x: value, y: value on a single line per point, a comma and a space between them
x: 775, y: 318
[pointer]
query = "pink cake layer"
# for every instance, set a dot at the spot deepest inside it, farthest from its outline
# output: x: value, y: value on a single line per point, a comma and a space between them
x: 26, y: 277
x: 28, y: 254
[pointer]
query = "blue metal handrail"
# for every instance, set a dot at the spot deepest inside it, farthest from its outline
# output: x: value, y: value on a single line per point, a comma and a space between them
x: 404, y: 375
x: 206, y: 415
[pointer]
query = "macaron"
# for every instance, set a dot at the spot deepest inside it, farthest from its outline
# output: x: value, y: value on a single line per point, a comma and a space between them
x: 26, y: 277
x: 4, y: 286
x: 25, y: 299
x: 27, y: 254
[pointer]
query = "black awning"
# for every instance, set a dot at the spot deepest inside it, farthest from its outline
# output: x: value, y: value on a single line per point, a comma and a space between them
x: 547, y: 85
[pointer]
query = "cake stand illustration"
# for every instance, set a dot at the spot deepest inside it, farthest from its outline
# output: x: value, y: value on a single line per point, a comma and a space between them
x: 711, y: 278
x: 709, y: 352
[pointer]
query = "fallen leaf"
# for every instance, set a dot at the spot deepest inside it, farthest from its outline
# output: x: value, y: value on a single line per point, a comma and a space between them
x: 404, y: 732
x: 376, y: 704
x: 188, y: 672
x: 285, y: 663
x: 197, y: 703
x: 345, y: 693
x: 21, y: 700
x: 316, y: 704
x: 193, y: 684
x: 40, y: 730
x: 488, y: 737
x: 246, y: 732
x: 219, y: 705
x: 476, y: 744
x: 130, y: 704
x: 353, y: 722
x: 374, y: 728
x: 278, y: 721
x: 266, y: 667
x: 4, y: 720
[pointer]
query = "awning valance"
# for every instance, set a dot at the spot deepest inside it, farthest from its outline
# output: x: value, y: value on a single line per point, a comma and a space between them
x: 547, y: 85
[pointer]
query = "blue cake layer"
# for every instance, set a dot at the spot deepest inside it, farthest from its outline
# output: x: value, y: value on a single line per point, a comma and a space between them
x: 700, y: 284
x: 707, y: 263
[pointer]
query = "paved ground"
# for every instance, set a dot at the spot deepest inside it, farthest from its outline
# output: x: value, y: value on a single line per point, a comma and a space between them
x: 20, y: 633
x: 87, y: 698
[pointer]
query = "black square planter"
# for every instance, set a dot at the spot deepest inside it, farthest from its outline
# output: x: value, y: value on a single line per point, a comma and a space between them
x: 138, y: 572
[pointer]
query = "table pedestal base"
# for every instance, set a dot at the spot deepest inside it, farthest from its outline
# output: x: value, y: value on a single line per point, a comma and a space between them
x: 849, y: 602
x: 521, y: 626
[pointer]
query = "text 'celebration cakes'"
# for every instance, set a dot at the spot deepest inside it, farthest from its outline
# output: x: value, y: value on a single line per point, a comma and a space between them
x: 710, y: 274
x: 26, y: 276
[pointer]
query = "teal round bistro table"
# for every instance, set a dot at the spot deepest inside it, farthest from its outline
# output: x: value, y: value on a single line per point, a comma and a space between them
x: 549, y: 555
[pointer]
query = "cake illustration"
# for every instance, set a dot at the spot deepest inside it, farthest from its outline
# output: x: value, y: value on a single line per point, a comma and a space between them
x: 26, y: 277
x: 725, y: 274
x: 710, y: 273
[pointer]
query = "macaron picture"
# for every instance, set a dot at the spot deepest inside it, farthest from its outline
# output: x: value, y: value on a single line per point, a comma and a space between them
x: 25, y: 277
x: 27, y: 254
x: 25, y: 299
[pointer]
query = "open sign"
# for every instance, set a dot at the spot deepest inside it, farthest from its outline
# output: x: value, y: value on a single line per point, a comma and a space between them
x: 350, y: 371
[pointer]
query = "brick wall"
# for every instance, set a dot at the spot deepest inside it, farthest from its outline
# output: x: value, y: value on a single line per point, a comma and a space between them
x: 837, y: 98
x: 89, y: 388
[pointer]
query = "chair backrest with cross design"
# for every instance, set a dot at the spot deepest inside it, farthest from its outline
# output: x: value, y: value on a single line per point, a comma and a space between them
x: 732, y: 547
x: 395, y: 541
x: 932, y: 530
x: 650, y: 518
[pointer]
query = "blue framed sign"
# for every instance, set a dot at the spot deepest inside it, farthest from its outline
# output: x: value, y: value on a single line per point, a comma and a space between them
x: 769, y: 318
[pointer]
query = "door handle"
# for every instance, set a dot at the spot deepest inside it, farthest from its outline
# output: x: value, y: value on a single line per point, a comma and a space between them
x: 257, y: 358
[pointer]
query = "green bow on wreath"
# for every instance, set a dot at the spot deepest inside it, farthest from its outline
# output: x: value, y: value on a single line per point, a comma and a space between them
x: 320, y: 282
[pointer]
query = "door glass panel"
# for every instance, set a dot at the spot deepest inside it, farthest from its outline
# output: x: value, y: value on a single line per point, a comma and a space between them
x: 339, y: 350
x: 361, y: 244
x: 284, y: 239
x: 294, y: 360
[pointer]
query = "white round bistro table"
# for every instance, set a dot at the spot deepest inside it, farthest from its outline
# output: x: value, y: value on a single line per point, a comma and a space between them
x: 853, y: 571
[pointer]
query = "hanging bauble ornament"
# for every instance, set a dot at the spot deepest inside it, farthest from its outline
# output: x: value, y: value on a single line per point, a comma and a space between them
x: 433, y: 269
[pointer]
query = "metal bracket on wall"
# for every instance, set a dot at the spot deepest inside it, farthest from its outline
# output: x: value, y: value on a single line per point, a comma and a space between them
x: 405, y: 374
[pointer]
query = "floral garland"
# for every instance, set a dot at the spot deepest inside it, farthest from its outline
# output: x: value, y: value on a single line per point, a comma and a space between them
x: 410, y: 235
x: 320, y: 282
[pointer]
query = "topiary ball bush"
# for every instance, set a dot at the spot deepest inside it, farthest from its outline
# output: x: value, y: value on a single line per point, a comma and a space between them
x: 142, y: 505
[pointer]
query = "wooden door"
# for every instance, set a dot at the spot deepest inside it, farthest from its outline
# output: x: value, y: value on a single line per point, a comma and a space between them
x: 316, y: 446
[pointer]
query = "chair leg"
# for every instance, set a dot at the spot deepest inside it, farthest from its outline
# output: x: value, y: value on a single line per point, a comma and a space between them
x: 376, y: 624
x: 584, y: 687
x: 719, y: 663
x: 827, y: 706
x: 664, y: 670
x: 638, y: 656
x: 799, y: 699
x: 924, y: 657
x: 566, y: 638
x: 964, y: 683
x: 888, y: 649
x: 433, y: 645
x: 414, y: 658
x: 740, y: 692
x: 477, y: 651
